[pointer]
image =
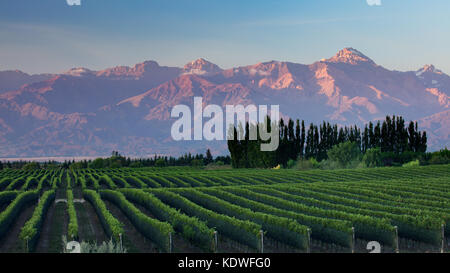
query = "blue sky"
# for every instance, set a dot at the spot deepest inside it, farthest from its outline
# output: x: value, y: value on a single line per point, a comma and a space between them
x: 51, y: 36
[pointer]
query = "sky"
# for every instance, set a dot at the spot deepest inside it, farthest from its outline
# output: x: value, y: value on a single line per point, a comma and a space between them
x: 39, y: 36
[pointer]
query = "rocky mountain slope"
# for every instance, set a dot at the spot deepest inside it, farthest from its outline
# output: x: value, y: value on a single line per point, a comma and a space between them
x: 84, y: 112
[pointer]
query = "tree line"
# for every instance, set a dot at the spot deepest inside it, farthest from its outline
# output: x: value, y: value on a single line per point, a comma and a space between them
x: 116, y: 160
x: 298, y: 141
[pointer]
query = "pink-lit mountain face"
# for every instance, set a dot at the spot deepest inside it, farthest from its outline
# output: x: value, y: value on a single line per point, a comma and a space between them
x: 84, y: 112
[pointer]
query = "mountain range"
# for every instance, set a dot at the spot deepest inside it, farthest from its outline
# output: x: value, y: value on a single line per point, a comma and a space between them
x: 87, y: 113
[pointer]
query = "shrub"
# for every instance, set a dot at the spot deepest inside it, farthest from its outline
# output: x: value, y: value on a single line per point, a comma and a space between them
x: 97, y: 163
x: 197, y: 163
x: 219, y: 163
x: 344, y: 154
x: 290, y: 164
x: 303, y: 164
x: 441, y: 157
x: 31, y: 166
x: 373, y: 158
x: 414, y: 163
x: 160, y: 163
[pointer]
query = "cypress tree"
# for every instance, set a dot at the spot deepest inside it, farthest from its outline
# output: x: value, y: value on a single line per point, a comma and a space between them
x: 316, y: 142
x: 310, y: 142
x: 335, y: 135
x: 341, y: 137
x: 298, y: 139
x: 384, y: 137
x: 303, y: 139
x: 365, y: 145
x: 412, y: 136
x: 417, y: 138
x: 371, y: 136
x: 423, y: 143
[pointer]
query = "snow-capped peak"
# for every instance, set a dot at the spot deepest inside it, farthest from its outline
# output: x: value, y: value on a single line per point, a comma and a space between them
x: 201, y: 67
x: 351, y: 56
x: 78, y: 72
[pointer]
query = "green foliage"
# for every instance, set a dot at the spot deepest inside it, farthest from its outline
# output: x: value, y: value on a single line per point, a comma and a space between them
x: 153, y: 229
x: 108, y: 181
x: 111, y: 225
x: 31, y: 166
x: 421, y: 226
x: 29, y: 182
x: 93, y: 181
x: 45, y: 180
x: 16, y: 183
x: 197, y: 163
x: 160, y: 163
x: 7, y: 196
x: 373, y: 158
x: 441, y: 157
x: 72, y: 230
x: 366, y: 227
x: 97, y: 163
x: 291, y: 164
x: 77, y: 166
x: 83, y: 182
x: 414, y: 163
x: 286, y: 230
x: 219, y: 163
x: 344, y: 155
x: 397, y: 160
x: 8, y: 216
x: 30, y: 232
x: 4, y: 182
x: 208, y: 158
x: 135, y: 181
x: 245, y: 232
x: 192, y: 229
x: 391, y: 136
x: 327, y: 230
x: 136, y: 164
x: 281, y: 203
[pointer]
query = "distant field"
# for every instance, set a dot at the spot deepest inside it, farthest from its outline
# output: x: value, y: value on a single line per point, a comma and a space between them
x: 181, y: 209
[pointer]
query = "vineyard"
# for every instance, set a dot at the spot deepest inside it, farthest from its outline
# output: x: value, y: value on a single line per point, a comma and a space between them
x: 185, y: 210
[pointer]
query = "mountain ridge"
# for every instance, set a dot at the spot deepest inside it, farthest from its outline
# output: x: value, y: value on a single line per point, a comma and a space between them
x: 84, y: 112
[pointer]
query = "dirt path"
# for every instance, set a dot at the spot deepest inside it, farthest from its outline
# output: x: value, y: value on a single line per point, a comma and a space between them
x: 10, y: 243
x: 89, y: 226
x: 133, y: 240
x: 53, y: 228
x: 77, y: 193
